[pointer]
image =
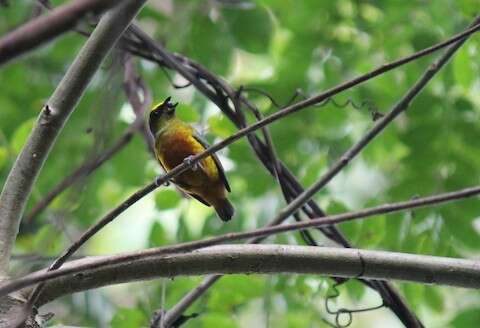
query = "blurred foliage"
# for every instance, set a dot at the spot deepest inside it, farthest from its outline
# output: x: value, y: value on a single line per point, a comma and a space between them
x: 278, y: 47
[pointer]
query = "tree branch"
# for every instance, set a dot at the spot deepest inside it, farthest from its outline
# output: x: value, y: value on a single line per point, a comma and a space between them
x: 107, y: 32
x: 50, y: 122
x: 381, y: 124
x: 45, y: 28
x: 139, y: 96
x: 132, y: 84
x: 42, y: 277
x: 248, y: 259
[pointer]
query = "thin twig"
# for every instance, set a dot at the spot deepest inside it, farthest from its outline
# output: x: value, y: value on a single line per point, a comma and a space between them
x: 139, y: 96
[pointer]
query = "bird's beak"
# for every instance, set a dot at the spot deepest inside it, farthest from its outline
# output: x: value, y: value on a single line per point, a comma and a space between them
x: 170, y: 107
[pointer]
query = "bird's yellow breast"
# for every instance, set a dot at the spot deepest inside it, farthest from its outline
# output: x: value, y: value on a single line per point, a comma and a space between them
x: 176, y: 143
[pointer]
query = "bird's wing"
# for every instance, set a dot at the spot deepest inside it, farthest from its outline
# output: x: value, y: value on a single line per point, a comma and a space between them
x: 200, y: 199
x: 166, y: 171
x: 221, y: 171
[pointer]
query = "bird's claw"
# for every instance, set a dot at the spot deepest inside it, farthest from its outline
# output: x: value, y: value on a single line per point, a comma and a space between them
x: 189, y: 161
x: 159, y: 182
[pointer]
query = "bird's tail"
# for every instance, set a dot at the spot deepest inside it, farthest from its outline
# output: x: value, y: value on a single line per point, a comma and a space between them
x: 224, y: 209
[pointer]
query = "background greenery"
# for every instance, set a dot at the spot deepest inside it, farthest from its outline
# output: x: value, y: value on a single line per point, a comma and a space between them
x: 278, y: 47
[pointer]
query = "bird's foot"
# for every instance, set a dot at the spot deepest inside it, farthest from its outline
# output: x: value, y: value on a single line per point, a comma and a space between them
x: 159, y: 181
x: 189, y: 161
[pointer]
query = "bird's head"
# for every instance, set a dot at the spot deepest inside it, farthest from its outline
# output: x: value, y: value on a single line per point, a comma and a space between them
x: 161, y: 114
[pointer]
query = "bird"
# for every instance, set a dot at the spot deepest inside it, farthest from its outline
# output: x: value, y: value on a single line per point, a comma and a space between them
x: 177, y: 142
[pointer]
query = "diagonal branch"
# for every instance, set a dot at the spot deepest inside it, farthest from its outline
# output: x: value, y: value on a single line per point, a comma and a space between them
x: 105, y: 35
x: 132, y: 85
x: 51, y: 121
x: 381, y: 124
x: 45, y: 28
x: 423, y: 202
x: 151, y: 48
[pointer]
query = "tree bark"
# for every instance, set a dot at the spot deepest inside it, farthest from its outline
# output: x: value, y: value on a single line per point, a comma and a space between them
x: 44, y: 28
x: 268, y: 259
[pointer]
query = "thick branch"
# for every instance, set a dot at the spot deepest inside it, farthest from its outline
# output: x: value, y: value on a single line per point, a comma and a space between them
x: 45, y: 28
x: 51, y: 120
x: 132, y: 84
x: 108, y: 30
x: 267, y: 231
x: 230, y: 259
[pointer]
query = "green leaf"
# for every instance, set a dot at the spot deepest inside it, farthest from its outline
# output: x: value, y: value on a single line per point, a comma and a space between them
x: 251, y: 27
x: 414, y: 294
x: 355, y: 289
x: 213, y: 51
x: 298, y: 319
x: 434, y: 299
x: 463, y: 104
x: 157, y: 236
x: 216, y: 319
x: 187, y: 113
x: 467, y: 318
x: 3, y: 156
x: 21, y: 134
x: 167, y: 199
x: 372, y: 231
x: 47, y: 239
x: 221, y: 126
x: 110, y: 192
x: 313, y: 169
x: 126, y: 318
x: 462, y: 68
x: 235, y: 290
x: 462, y: 229
x: 352, y: 228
